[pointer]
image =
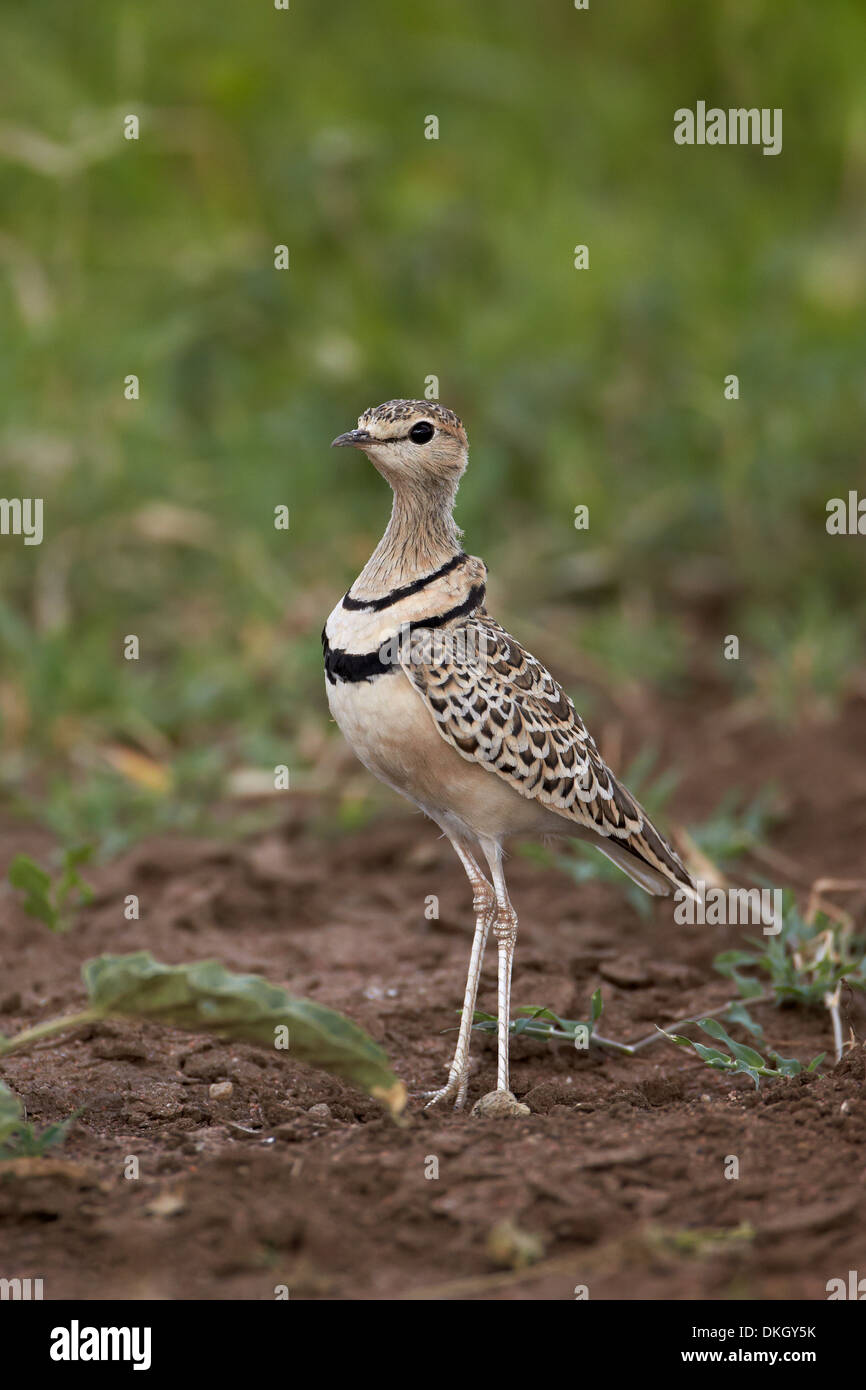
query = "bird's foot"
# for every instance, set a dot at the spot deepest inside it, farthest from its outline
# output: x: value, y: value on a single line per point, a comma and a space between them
x: 455, y: 1088
x: 497, y: 1104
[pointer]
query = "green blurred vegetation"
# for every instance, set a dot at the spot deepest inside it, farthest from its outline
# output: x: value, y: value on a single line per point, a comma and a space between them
x: 409, y: 258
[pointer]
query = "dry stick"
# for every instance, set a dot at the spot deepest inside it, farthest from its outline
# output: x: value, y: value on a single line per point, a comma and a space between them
x: 818, y: 902
x: 832, y: 1002
x: 481, y: 1283
x: 835, y: 885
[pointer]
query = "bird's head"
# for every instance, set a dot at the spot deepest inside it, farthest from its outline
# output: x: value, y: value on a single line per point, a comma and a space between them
x: 415, y: 443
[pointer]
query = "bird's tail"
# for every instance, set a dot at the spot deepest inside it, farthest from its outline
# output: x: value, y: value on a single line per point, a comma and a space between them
x: 643, y: 853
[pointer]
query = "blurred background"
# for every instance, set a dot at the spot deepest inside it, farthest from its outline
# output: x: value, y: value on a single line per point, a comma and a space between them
x: 412, y: 258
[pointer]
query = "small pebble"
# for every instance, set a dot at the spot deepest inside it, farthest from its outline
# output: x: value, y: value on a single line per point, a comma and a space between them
x: 220, y: 1090
x: 320, y: 1111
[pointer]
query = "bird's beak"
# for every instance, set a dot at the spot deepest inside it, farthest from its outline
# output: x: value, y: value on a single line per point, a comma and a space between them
x: 355, y: 439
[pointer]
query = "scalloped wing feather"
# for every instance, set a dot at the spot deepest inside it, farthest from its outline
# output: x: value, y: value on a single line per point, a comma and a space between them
x: 499, y: 706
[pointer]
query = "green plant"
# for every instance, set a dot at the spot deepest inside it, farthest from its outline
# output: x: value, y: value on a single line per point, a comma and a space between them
x: 739, y: 1057
x: 802, y: 964
x: 18, y: 1138
x: 543, y: 1023
x: 205, y: 997
x: 53, y: 902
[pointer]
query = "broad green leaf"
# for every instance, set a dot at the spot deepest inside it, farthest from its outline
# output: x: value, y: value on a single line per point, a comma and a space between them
x: 747, y: 1054
x: 206, y: 997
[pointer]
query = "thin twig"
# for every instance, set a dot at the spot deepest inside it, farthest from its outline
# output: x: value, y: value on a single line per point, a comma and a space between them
x: 832, y: 1002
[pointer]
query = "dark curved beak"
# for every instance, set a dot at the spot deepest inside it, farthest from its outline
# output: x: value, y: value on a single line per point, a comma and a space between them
x: 355, y: 439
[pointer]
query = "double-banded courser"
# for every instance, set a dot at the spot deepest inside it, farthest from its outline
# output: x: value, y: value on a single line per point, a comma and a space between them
x: 443, y: 705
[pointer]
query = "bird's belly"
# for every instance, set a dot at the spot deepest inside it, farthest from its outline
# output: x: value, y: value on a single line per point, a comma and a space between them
x: 389, y: 729
x: 387, y: 726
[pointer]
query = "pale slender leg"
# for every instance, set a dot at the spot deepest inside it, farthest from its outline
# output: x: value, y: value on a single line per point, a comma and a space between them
x: 483, y: 903
x: 505, y: 931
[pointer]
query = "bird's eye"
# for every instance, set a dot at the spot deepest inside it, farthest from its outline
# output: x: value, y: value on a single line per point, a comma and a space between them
x: 421, y: 432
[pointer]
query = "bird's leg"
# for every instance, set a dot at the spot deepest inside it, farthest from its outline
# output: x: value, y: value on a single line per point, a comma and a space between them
x: 505, y: 931
x: 483, y: 902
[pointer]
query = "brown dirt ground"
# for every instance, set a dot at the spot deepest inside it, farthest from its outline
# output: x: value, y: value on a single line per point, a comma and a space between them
x: 618, y: 1159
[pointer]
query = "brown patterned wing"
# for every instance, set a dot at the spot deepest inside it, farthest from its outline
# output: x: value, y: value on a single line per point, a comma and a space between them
x: 500, y: 707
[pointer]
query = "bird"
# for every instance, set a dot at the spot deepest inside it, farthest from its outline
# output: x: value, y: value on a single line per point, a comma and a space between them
x: 443, y: 705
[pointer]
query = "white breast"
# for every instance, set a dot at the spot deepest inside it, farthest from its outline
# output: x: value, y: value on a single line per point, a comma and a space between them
x: 389, y: 728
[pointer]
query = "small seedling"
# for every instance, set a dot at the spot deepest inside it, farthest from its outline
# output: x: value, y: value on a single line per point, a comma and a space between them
x: 802, y: 964
x: 543, y: 1023
x: 739, y: 1057
x: 18, y: 1138
x: 52, y: 902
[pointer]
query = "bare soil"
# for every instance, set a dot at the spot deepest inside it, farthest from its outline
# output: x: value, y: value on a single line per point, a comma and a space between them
x: 616, y: 1180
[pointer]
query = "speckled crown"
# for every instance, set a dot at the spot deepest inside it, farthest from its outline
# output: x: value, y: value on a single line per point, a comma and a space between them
x: 392, y: 411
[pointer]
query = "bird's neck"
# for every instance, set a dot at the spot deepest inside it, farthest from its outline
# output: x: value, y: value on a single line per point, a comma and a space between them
x: 421, y: 536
